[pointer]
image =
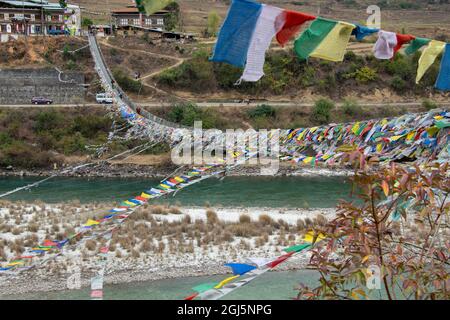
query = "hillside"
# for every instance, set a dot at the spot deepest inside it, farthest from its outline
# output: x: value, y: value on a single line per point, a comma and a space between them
x: 414, y: 16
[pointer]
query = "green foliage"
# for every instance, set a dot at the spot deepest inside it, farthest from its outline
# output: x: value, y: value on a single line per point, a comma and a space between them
x: 172, y: 19
x: 196, y: 74
x: 86, y: 22
x: 213, y: 23
x: 402, y: 67
x: 47, y: 121
x: 352, y: 108
x: 126, y: 82
x: 364, y: 75
x: 398, y: 84
x: 34, y: 140
x: 74, y: 144
x: 321, y: 111
x: 187, y: 114
x: 262, y: 111
x: 428, y: 104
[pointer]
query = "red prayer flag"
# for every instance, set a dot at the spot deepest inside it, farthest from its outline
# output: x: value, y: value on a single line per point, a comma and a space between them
x: 192, y: 297
x: 104, y: 250
x: 401, y: 40
x: 289, y: 24
x: 49, y: 243
x: 97, y: 294
x: 281, y: 259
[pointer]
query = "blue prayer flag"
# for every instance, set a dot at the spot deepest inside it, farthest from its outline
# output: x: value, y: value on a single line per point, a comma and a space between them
x: 236, y: 33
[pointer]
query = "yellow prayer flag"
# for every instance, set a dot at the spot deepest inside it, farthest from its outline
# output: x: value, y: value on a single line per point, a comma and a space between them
x: 309, y: 237
x: 355, y: 128
x: 91, y: 222
x: 179, y: 179
x: 334, y: 46
x: 145, y: 196
x: 395, y: 138
x: 410, y: 135
x: 379, y: 147
x: 429, y: 55
x: 224, y: 282
x: 308, y: 160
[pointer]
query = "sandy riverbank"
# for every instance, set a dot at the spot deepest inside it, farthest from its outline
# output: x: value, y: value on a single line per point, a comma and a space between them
x: 157, y: 243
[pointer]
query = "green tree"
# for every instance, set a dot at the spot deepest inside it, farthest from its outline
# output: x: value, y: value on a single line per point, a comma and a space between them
x: 173, y: 18
x: 321, y: 111
x: 86, y: 22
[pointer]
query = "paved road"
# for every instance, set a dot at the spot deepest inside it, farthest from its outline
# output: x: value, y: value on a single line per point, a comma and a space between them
x: 229, y: 105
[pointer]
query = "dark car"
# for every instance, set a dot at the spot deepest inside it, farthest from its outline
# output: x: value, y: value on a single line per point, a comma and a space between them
x: 41, y: 100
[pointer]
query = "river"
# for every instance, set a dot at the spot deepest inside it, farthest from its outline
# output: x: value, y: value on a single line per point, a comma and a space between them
x: 270, y: 286
x: 273, y: 192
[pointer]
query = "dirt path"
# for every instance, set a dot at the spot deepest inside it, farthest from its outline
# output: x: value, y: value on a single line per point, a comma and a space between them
x: 146, y: 77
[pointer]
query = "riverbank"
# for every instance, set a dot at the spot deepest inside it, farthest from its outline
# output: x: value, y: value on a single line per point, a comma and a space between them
x: 156, y: 243
x: 149, y: 171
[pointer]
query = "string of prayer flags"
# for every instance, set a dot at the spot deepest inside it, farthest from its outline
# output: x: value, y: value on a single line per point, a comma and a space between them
x: 249, y: 28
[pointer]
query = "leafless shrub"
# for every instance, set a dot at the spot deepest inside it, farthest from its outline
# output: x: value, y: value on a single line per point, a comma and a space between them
x: 175, y: 210
x: 211, y: 217
x: 244, y: 218
x: 91, y: 245
x: 265, y: 220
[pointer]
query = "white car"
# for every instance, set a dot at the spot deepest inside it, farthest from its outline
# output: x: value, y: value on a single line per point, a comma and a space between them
x: 103, y: 98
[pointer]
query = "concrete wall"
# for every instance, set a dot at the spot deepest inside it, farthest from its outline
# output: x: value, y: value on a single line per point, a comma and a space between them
x: 19, y: 86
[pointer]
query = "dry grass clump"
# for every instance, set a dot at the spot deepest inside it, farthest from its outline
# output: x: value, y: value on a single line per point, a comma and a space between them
x: 91, y: 245
x: 265, y: 220
x: 244, y: 218
x: 158, y: 210
x: 16, y: 231
x: 211, y: 217
x: 174, y: 210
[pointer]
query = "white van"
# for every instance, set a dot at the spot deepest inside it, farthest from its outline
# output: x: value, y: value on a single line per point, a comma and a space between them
x: 103, y: 98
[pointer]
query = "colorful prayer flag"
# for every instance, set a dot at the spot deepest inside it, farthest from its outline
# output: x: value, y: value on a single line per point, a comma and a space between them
x: 429, y: 55
x: 236, y: 33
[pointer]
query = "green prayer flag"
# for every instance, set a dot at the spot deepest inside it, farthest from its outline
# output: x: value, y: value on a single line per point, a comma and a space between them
x: 204, y: 287
x: 297, y: 248
x: 151, y: 6
x: 416, y: 44
x: 442, y: 124
x: 311, y: 38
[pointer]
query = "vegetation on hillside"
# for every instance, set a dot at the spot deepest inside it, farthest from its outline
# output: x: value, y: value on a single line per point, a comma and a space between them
x: 286, y: 75
x: 265, y: 116
x: 40, y: 138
